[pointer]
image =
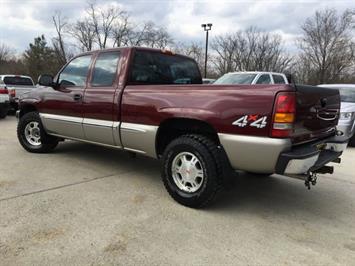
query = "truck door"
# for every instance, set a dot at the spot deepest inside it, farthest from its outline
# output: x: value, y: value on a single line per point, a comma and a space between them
x: 61, y: 110
x: 99, y: 122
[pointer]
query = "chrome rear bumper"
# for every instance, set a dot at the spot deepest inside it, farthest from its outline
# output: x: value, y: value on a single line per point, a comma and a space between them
x: 311, y: 157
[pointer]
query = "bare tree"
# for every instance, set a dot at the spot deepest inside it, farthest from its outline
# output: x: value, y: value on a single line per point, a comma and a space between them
x: 83, y: 32
x: 103, y: 21
x: 250, y: 50
x: 225, y: 49
x: 327, y: 45
x: 6, y: 53
x: 60, y: 24
x: 150, y: 35
x: 123, y: 30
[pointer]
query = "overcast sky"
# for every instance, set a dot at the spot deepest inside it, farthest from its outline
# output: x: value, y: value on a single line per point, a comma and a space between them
x: 22, y: 20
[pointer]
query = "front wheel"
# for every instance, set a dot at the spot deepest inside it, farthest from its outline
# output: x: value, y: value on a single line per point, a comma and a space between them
x: 192, y: 170
x: 352, y: 141
x: 32, y: 136
x: 3, y: 113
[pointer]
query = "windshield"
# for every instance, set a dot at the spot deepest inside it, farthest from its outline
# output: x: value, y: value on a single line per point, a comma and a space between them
x: 18, y: 81
x: 347, y: 95
x: 236, y: 78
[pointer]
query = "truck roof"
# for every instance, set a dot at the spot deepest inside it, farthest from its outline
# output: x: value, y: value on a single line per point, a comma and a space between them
x: 350, y: 86
x: 257, y: 72
x: 140, y: 48
x: 12, y: 75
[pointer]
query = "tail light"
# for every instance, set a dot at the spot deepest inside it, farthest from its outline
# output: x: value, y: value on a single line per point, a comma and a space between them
x: 284, y: 115
x: 4, y: 91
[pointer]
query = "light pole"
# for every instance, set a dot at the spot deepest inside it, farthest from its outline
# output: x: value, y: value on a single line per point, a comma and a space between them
x: 206, y: 27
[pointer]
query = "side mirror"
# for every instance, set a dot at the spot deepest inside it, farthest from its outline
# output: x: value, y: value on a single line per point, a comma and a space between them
x: 45, y: 80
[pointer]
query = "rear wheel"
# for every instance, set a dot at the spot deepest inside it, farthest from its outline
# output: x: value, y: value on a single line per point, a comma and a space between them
x: 32, y: 136
x: 3, y: 114
x: 352, y: 141
x: 192, y: 170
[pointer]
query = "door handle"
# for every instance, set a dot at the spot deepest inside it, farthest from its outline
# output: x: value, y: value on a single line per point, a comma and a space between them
x: 77, y: 97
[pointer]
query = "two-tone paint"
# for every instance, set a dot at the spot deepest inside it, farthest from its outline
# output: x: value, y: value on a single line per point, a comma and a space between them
x: 128, y: 116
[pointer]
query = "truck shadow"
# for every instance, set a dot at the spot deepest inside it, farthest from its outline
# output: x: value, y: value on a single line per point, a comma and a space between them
x: 280, y: 195
x: 114, y: 160
x: 243, y: 193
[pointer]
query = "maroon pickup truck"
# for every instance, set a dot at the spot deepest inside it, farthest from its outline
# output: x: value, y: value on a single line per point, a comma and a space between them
x: 153, y: 102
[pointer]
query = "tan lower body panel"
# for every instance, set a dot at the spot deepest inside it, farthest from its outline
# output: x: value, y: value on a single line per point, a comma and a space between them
x: 139, y: 138
x: 253, y: 154
x: 135, y: 137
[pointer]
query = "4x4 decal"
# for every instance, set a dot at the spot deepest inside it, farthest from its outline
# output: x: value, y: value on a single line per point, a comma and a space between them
x: 251, y: 120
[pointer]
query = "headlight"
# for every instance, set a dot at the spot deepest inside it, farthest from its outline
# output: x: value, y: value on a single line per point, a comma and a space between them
x: 346, y: 116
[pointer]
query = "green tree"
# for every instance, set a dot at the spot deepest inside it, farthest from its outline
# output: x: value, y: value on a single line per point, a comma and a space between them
x: 40, y: 58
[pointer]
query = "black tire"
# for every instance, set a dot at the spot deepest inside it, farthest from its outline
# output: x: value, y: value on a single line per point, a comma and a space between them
x: 207, y: 153
x: 352, y: 141
x: 48, y: 142
x: 3, y: 114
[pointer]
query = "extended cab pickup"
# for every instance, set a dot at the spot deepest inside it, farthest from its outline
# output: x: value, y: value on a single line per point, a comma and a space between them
x: 153, y: 102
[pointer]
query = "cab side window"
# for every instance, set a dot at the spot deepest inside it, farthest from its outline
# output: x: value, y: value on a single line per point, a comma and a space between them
x: 278, y: 79
x: 105, y: 70
x: 75, y: 73
x: 264, y: 79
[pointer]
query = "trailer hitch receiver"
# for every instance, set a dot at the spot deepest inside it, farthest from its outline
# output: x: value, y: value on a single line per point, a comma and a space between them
x: 311, y: 179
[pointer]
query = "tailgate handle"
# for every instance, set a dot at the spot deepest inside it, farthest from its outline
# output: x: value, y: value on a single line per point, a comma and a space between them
x: 330, y: 112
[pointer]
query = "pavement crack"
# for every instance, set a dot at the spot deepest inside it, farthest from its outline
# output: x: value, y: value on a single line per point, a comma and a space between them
x: 57, y: 187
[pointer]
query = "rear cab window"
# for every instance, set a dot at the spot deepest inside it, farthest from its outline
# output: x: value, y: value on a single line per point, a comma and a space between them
x: 278, y: 79
x: 159, y: 68
x: 18, y: 81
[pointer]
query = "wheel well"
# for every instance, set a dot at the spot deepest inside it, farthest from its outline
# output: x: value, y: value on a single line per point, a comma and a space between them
x: 175, y: 127
x: 26, y: 109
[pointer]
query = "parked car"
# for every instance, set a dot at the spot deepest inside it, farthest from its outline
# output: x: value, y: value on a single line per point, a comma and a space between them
x: 127, y: 98
x: 347, y: 110
x: 4, y: 101
x: 207, y: 81
x: 252, y: 77
x: 16, y: 85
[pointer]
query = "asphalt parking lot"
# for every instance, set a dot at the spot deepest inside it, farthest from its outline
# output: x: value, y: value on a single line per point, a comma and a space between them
x: 89, y: 205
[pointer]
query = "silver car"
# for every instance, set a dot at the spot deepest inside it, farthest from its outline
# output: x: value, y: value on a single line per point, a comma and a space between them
x: 207, y: 81
x: 346, y: 122
x: 252, y: 77
x: 16, y: 85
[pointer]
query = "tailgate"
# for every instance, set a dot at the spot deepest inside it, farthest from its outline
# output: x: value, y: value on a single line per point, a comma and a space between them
x: 317, y: 113
x: 17, y: 91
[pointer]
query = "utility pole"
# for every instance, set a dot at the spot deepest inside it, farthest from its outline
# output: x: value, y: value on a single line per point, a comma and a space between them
x: 207, y: 27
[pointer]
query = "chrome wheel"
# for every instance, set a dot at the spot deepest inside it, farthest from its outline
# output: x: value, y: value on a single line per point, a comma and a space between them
x: 33, y: 133
x: 187, y: 172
